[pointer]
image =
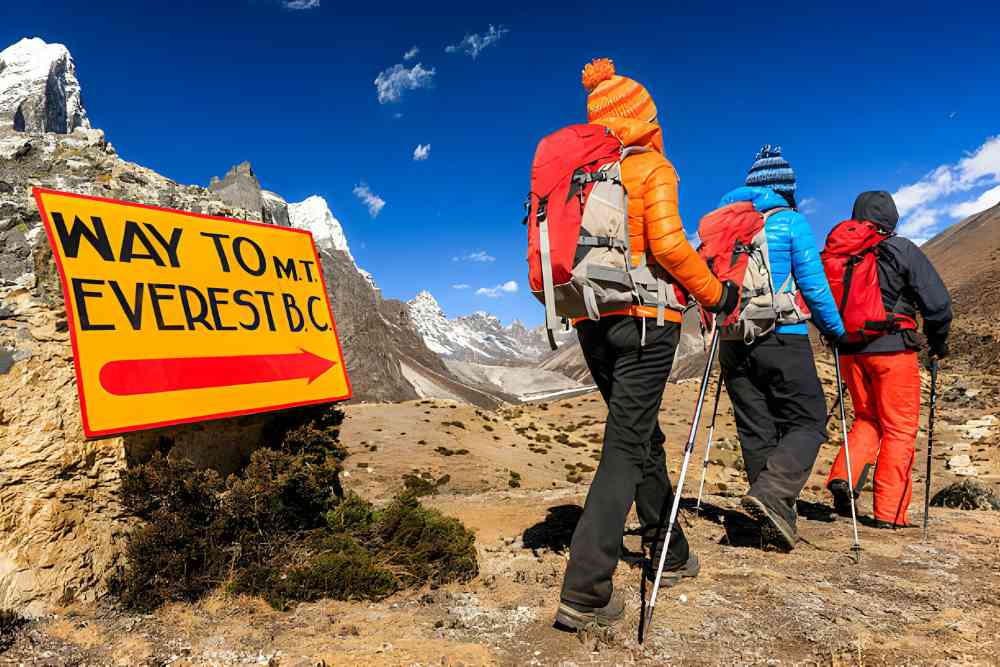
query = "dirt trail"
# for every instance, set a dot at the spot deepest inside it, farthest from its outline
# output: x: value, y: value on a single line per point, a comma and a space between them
x: 905, y: 603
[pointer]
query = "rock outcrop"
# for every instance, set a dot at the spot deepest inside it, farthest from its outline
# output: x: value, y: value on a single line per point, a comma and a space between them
x: 274, y: 209
x: 60, y: 522
x: 39, y: 91
x: 239, y: 187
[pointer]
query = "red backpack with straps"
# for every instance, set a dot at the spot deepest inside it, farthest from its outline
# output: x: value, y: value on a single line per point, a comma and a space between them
x: 850, y: 260
x: 734, y: 245
x: 579, y: 254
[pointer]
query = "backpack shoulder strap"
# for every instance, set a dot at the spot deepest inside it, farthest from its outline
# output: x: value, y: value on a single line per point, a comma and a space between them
x: 769, y: 213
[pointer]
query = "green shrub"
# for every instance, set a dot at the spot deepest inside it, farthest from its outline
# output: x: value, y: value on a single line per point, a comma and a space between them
x: 446, y: 451
x: 425, y: 544
x: 282, y: 528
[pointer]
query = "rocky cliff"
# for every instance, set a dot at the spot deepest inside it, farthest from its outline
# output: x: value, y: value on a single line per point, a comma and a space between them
x: 61, y: 522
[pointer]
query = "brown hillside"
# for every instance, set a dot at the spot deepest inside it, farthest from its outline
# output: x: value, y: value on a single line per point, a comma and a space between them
x: 966, y: 250
x: 968, y: 257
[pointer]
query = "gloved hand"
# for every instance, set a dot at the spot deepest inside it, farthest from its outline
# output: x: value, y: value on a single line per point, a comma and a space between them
x: 728, y: 301
x: 938, y: 348
x: 837, y: 342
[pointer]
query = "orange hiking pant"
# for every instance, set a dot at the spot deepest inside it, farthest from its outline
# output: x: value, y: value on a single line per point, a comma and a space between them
x: 885, y: 391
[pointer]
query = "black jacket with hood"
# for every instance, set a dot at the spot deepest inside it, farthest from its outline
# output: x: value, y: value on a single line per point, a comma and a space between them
x: 908, y: 280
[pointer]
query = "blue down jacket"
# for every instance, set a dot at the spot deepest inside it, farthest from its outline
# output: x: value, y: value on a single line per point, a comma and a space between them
x: 791, y: 247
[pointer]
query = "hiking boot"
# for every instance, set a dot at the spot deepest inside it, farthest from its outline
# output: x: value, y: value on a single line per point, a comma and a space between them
x: 574, y: 616
x: 841, y: 492
x: 673, y: 575
x: 773, y: 528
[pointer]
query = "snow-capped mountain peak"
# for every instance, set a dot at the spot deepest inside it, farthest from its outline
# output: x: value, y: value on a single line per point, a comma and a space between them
x: 479, y: 336
x: 313, y: 214
x: 39, y: 90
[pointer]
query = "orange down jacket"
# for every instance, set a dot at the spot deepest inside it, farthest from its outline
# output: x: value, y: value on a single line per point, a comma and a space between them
x: 654, y: 219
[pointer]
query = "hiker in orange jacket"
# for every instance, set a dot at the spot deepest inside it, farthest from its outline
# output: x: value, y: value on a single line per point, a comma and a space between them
x: 631, y: 369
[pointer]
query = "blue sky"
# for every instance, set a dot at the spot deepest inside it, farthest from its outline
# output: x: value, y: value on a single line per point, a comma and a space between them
x: 901, y: 96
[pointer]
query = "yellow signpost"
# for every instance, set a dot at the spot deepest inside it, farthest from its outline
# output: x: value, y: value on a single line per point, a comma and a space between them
x: 178, y: 317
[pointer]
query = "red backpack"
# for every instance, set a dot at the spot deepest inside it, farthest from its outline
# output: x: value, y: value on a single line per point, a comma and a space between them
x: 850, y: 260
x: 579, y: 254
x: 734, y: 245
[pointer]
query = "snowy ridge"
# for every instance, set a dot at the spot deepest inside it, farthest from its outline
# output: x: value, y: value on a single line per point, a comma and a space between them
x: 479, y: 337
x: 313, y: 214
x: 46, y: 74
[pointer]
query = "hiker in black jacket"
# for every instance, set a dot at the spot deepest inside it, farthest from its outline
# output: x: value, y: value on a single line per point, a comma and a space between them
x: 882, y: 374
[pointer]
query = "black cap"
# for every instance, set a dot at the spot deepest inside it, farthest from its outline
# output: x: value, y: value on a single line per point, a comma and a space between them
x: 877, y: 207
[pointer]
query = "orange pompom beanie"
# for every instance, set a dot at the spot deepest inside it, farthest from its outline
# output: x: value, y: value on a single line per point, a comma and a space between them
x: 615, y: 96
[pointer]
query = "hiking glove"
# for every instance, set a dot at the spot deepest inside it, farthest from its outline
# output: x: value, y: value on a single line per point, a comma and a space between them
x: 728, y: 301
x: 939, y: 348
x: 837, y: 342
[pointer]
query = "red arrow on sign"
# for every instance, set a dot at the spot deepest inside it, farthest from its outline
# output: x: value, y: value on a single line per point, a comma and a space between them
x: 129, y: 377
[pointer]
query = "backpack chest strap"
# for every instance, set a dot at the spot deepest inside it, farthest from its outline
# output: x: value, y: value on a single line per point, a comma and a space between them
x: 601, y: 242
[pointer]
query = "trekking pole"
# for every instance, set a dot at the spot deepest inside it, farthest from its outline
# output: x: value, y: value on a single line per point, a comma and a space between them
x: 708, y: 445
x: 930, y: 444
x: 856, y: 547
x: 688, y: 448
x: 836, y: 404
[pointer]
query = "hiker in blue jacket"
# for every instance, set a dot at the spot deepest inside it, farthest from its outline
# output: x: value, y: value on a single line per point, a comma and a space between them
x: 776, y: 395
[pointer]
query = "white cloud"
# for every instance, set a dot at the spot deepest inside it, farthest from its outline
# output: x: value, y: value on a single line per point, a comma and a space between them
x: 918, y: 225
x: 808, y: 205
x: 478, y: 256
x: 472, y: 45
x: 931, y: 187
x: 298, y: 5
x: 421, y: 152
x: 982, y: 167
x: 374, y: 203
x: 922, y: 212
x: 693, y: 238
x: 987, y: 199
x: 392, y: 82
x: 411, y: 54
x: 509, y: 287
x: 461, y: 286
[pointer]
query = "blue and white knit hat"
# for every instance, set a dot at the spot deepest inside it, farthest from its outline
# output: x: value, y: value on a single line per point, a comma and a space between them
x: 770, y: 170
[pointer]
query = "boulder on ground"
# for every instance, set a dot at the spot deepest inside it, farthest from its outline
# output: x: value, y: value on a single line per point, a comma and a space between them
x: 969, y: 494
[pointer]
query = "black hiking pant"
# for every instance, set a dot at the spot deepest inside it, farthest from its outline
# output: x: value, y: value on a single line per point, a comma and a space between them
x: 780, y: 415
x: 633, y: 464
